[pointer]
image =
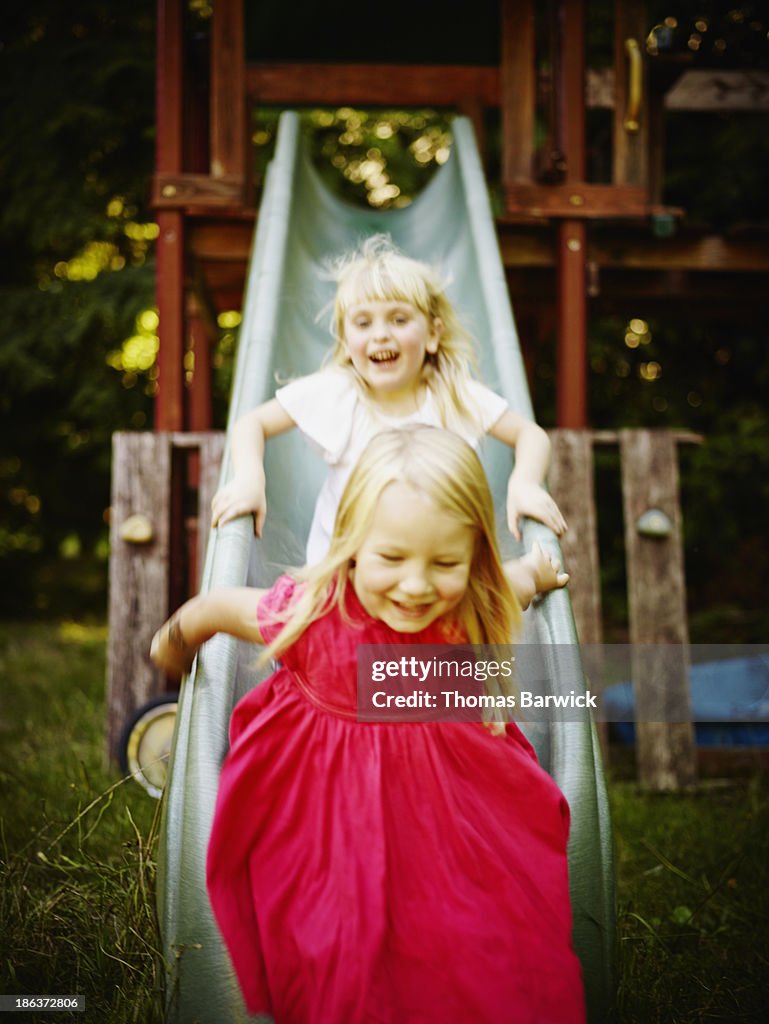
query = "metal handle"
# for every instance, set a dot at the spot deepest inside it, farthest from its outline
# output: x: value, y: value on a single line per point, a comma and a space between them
x: 632, y: 123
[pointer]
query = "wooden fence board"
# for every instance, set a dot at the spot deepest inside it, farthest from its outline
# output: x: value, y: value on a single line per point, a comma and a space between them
x: 657, y: 610
x: 139, y: 574
x: 571, y: 483
x: 211, y: 453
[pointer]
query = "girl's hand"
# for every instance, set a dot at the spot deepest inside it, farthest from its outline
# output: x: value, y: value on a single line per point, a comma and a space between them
x: 528, y: 499
x: 537, y: 572
x: 170, y: 650
x: 545, y: 569
x: 241, y: 496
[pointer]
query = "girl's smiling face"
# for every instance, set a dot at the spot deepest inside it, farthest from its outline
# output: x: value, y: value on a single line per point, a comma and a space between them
x: 387, y: 342
x: 414, y: 565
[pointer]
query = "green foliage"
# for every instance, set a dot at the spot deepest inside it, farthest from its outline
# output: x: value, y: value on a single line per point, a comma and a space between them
x: 381, y: 158
x: 76, y: 110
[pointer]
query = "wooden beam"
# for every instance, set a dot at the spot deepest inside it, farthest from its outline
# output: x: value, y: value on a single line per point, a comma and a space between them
x: 169, y: 275
x: 172, y: 191
x: 228, y: 91
x: 450, y: 85
x: 630, y: 127
x: 377, y: 85
x: 517, y: 91
x: 576, y: 200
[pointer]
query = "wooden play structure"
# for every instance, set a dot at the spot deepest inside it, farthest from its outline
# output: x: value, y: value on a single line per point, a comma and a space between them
x: 570, y: 247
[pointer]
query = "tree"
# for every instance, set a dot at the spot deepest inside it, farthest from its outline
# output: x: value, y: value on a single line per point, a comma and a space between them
x: 76, y: 129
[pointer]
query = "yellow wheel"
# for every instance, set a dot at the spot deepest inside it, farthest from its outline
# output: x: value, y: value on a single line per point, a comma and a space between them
x: 145, y: 743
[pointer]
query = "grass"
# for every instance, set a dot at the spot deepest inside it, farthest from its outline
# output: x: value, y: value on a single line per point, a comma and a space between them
x: 693, y: 877
x: 77, y: 843
x: 77, y: 863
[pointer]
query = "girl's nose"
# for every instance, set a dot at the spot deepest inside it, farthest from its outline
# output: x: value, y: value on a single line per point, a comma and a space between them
x: 380, y: 330
x: 415, y: 583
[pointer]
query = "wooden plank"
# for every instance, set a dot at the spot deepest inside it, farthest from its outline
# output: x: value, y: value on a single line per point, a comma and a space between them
x: 315, y: 84
x: 657, y: 608
x: 211, y: 454
x: 377, y: 85
x: 571, y: 483
x: 517, y: 91
x: 228, y: 91
x: 171, y: 191
x: 139, y: 576
x: 578, y: 199
x: 571, y: 480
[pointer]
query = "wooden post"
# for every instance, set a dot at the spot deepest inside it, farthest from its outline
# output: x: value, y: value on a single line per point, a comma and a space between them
x: 657, y: 606
x: 571, y: 482
x: 571, y: 351
x: 169, y: 275
x: 228, y: 90
x: 571, y: 393
x: 139, y: 574
x: 517, y: 87
x: 200, y: 333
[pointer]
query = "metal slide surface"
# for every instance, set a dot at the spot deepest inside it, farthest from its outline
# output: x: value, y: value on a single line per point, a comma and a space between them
x: 300, y: 225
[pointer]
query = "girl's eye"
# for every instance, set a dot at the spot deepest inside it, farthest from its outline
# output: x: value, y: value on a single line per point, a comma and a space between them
x: 389, y: 558
x: 447, y: 565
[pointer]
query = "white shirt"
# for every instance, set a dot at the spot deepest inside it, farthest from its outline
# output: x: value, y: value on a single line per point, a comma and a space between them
x: 333, y: 416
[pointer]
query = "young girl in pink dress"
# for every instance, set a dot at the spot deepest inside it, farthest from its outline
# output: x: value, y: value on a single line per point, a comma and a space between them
x: 398, y: 872
x: 400, y: 356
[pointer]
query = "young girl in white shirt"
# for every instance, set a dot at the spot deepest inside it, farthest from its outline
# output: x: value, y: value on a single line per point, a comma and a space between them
x: 400, y: 356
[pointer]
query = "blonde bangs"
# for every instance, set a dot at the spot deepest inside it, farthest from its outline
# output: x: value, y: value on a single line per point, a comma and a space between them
x: 397, y: 279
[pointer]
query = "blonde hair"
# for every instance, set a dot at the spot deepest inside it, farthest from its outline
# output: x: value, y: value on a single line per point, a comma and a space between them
x: 380, y: 272
x: 443, y: 468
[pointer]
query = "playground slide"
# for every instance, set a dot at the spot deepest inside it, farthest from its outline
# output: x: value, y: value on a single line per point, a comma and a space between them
x: 300, y: 224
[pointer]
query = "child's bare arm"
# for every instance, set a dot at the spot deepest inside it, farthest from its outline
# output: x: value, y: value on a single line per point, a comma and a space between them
x: 537, y: 572
x: 244, y: 493
x: 229, y: 610
x: 525, y: 494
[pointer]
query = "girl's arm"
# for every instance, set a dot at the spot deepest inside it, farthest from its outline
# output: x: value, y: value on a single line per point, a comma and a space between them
x: 244, y: 493
x: 229, y: 610
x: 525, y: 494
x: 537, y: 572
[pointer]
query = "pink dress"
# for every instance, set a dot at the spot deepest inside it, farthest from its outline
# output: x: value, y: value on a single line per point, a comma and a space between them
x: 374, y: 873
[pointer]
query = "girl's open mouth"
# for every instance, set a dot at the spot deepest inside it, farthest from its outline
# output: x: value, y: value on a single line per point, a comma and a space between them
x: 385, y: 356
